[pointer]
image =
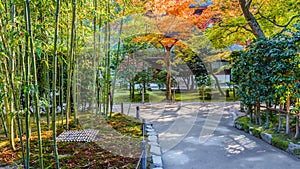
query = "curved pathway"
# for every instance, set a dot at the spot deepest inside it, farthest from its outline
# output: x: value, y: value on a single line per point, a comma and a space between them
x: 201, y: 136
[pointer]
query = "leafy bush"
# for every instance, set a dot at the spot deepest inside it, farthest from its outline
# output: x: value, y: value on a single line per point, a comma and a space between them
x: 243, y: 121
x: 257, y: 131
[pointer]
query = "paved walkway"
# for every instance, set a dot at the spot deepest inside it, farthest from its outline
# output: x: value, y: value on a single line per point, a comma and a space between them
x: 201, y: 136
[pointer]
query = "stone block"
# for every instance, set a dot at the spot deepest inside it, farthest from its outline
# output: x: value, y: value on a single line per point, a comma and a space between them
x: 294, y: 149
x: 157, y: 162
x: 266, y: 137
x: 153, y: 133
x: 152, y: 138
x: 155, y: 150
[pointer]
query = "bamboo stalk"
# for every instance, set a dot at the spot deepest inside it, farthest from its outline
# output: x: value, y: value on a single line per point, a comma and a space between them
x: 118, y: 55
x: 74, y: 91
x: 27, y: 112
x: 70, y: 65
x: 61, y: 91
x: 9, y: 104
x: 54, y: 84
x: 94, y: 57
x: 107, y: 78
x: 36, y: 92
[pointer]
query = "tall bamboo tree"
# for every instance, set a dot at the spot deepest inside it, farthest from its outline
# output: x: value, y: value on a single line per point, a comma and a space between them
x: 27, y: 95
x: 54, y: 62
x: 36, y: 94
x: 107, y: 60
x: 70, y: 64
x: 95, y: 64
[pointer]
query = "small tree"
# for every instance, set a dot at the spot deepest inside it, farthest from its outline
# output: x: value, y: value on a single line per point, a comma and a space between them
x: 202, y: 82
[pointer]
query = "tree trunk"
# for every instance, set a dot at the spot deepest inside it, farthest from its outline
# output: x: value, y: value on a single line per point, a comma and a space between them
x: 192, y: 83
x: 279, y: 120
x: 217, y: 81
x: 287, y: 126
x: 268, y: 116
x: 203, y: 92
x: 233, y: 91
x: 168, y: 81
x: 254, y: 25
x: 297, y: 135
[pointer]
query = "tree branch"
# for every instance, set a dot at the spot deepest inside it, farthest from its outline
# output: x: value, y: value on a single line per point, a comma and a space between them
x: 238, y: 26
x: 244, y: 27
x: 248, y: 3
x: 275, y: 23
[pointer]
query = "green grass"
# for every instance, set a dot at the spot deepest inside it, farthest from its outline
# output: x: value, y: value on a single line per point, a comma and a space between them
x: 122, y: 96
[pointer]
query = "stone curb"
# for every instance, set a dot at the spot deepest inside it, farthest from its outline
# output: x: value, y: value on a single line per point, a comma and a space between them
x: 155, y: 149
x: 293, y: 149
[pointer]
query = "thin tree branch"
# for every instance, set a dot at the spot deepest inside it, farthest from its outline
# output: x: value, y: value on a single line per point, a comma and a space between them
x: 245, y: 28
x: 240, y: 26
x: 275, y: 23
x: 248, y: 3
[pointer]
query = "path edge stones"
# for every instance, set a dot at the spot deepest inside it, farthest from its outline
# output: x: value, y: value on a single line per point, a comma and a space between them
x: 293, y: 148
x: 155, y: 148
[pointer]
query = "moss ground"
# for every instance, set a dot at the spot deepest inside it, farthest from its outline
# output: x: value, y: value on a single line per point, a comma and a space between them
x: 116, y: 146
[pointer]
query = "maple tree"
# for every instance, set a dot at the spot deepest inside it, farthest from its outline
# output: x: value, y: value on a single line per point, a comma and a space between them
x: 166, y: 32
x: 243, y: 20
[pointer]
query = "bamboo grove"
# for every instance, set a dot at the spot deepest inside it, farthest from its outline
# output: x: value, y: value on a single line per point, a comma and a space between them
x: 41, y: 45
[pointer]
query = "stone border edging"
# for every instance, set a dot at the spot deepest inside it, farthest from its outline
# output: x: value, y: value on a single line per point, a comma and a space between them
x: 155, y: 149
x: 293, y: 149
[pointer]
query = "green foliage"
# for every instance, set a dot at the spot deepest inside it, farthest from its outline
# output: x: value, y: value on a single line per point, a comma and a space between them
x: 243, y: 121
x: 273, y: 16
x: 280, y: 143
x: 297, y: 152
x: 143, y: 77
x: 268, y: 69
x: 257, y: 131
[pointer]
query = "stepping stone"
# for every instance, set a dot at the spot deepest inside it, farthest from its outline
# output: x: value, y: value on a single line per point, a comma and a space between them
x: 152, y: 138
x: 157, y: 162
x: 150, y: 130
x: 152, y: 133
x: 155, y: 150
x: 150, y: 126
x: 153, y: 143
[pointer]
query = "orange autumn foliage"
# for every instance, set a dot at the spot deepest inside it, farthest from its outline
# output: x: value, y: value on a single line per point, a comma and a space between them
x: 182, y: 9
